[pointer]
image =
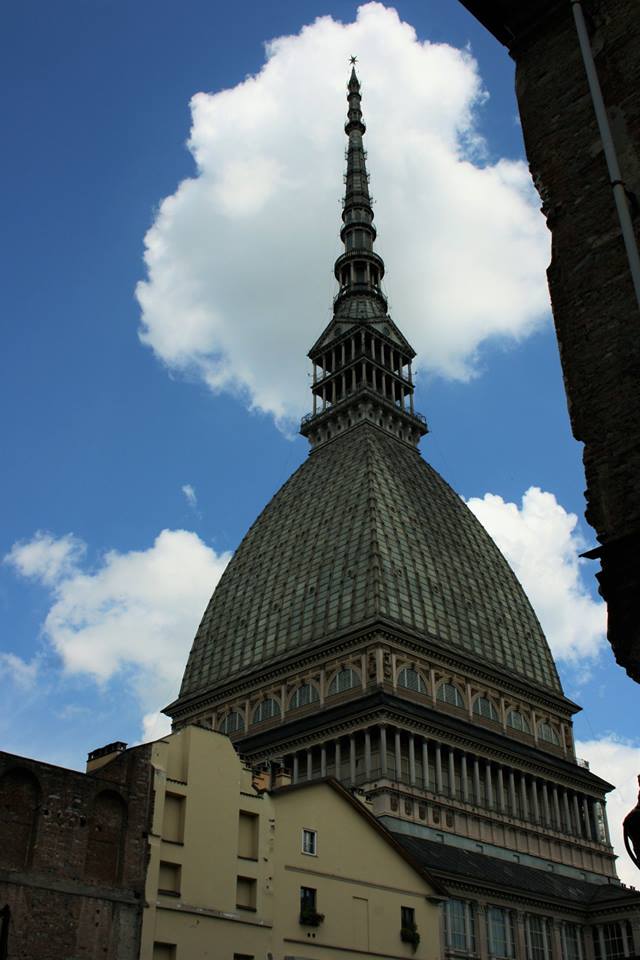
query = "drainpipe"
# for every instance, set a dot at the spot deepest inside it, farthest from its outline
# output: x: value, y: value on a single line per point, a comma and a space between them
x: 615, y: 177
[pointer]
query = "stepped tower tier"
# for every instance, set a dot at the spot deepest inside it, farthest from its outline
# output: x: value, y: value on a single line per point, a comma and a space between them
x: 361, y: 362
x: 368, y: 628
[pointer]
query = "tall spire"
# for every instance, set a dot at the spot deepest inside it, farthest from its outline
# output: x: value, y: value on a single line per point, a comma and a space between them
x: 362, y: 362
x: 358, y: 270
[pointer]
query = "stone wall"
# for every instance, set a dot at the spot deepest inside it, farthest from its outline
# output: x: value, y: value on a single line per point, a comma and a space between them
x: 594, y: 307
x: 73, y: 857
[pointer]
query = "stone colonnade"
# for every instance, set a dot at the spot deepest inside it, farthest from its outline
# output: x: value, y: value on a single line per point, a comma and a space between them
x: 383, y: 752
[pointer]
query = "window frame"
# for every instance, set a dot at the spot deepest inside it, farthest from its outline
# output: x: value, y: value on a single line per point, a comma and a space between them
x: 458, y: 700
x: 309, y: 832
x: 420, y: 687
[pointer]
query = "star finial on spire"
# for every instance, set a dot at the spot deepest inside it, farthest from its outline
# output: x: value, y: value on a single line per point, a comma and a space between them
x: 353, y: 60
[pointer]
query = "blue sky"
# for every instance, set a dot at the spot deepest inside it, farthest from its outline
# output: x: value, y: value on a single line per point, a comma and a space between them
x: 102, y: 432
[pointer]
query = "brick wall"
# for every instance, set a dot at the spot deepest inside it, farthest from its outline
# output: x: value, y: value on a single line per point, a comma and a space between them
x: 594, y: 307
x: 73, y: 857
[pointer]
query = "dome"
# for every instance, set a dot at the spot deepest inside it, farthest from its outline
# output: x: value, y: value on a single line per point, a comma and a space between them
x: 366, y: 532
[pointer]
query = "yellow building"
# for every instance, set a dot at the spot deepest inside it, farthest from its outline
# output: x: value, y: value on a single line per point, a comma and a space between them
x: 306, y: 872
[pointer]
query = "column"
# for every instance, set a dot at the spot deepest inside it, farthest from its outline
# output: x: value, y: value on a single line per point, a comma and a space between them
x: 383, y: 751
x: 512, y: 794
x: 463, y: 777
x: 425, y: 765
x: 501, y: 796
x: 452, y: 773
x: 367, y: 755
x: 476, y: 781
x: 489, y: 780
x: 338, y: 759
x: 398, y: 755
x: 296, y: 768
x: 545, y: 804
x: 625, y: 939
x: 352, y: 750
x: 309, y: 764
x: 607, y: 834
x: 412, y: 760
x: 323, y: 760
x: 595, y: 819
x: 520, y: 935
x: 587, y: 822
x: 556, y: 808
x: 438, y: 768
x: 482, y: 945
x: 525, y: 798
x: 534, y: 797
x: 576, y: 816
x: 567, y: 812
x: 556, y: 939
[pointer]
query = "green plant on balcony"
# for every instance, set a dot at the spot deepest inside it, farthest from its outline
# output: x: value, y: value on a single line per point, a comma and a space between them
x: 311, y: 918
x: 410, y: 935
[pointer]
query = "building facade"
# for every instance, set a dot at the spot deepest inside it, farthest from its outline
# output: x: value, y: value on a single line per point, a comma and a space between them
x: 73, y: 857
x: 368, y: 629
x: 593, y: 282
x: 241, y: 872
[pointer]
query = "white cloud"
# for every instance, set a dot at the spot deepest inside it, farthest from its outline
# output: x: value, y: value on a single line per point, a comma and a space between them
x: 542, y: 544
x: 190, y: 495
x: 46, y: 558
x: 240, y: 257
x: 154, y: 726
x: 22, y: 673
x: 136, y: 613
x: 618, y: 761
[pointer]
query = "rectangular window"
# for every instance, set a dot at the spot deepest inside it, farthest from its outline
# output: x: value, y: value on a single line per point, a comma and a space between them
x: 248, y: 835
x: 246, y: 888
x: 164, y: 951
x: 500, y: 933
x: 407, y: 918
x: 173, y: 819
x: 307, y: 900
x: 459, y: 926
x: 310, y: 842
x: 169, y: 878
x: 538, y: 938
x: 571, y: 941
x: 609, y: 941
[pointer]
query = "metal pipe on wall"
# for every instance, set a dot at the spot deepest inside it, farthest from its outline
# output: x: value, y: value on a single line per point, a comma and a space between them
x: 613, y: 167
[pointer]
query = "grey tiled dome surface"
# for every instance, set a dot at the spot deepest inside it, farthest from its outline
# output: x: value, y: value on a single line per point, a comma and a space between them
x: 365, y: 528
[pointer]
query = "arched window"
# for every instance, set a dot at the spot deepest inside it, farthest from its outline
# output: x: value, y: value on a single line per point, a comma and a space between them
x: 305, y: 694
x: 266, y: 710
x: 106, y: 837
x: 547, y: 732
x: 19, y: 799
x: 344, y: 680
x: 483, y: 707
x: 411, y: 680
x: 449, y: 693
x: 518, y: 721
x: 232, y: 723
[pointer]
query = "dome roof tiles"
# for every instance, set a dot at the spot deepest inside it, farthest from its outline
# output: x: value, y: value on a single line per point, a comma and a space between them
x: 366, y: 529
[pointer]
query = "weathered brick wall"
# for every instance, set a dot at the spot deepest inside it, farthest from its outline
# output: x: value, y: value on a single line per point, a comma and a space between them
x: 594, y: 306
x: 73, y: 857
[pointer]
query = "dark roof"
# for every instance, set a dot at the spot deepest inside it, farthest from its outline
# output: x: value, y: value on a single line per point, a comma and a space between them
x: 510, y: 20
x: 450, y: 861
x: 375, y: 824
x: 365, y: 528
